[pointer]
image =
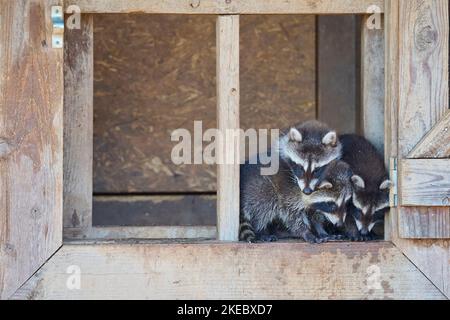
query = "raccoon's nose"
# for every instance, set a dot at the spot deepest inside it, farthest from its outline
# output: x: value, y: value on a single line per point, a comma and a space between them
x: 307, y: 191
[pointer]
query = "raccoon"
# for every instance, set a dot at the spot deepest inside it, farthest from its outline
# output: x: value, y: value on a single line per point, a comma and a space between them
x: 275, y: 207
x: 308, y: 147
x: 371, y: 184
x: 303, y: 153
x: 271, y: 200
x: 327, y: 207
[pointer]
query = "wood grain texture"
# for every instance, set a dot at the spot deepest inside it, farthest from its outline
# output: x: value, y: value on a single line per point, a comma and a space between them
x: 227, y: 35
x: 337, y: 87
x: 372, y: 87
x: 166, y: 210
x: 277, y: 70
x: 430, y: 256
x: 227, y: 7
x: 391, y: 29
x: 160, y: 76
x: 423, y: 91
x: 141, y: 233
x: 78, y: 124
x: 436, y: 143
x: 153, y: 75
x: 425, y: 182
x: 232, y: 271
x: 31, y: 125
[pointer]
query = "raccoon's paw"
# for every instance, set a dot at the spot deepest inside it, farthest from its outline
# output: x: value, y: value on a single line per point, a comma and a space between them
x: 333, y: 237
x: 356, y: 238
x: 268, y: 238
x: 309, y: 237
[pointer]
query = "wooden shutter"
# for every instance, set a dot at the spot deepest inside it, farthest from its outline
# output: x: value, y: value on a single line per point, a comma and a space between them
x: 423, y: 120
x: 31, y: 132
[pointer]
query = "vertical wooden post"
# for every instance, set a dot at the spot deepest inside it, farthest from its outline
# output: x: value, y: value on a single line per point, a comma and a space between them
x: 78, y: 127
x: 31, y: 140
x: 227, y: 118
x: 372, y: 88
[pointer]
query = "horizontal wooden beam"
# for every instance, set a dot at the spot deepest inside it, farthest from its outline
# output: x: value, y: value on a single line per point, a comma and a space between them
x: 425, y: 182
x: 230, y: 271
x: 436, y: 143
x: 227, y: 6
x: 157, y: 232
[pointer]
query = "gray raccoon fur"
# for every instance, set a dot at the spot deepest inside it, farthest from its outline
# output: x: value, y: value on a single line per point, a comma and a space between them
x: 266, y: 199
x: 370, y: 180
x: 328, y: 209
x: 304, y: 151
x: 310, y: 146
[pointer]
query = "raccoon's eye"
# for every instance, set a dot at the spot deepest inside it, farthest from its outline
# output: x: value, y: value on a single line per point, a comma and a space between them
x: 317, y: 173
x: 357, y: 213
x: 379, y: 215
x: 298, y: 171
x: 328, y: 207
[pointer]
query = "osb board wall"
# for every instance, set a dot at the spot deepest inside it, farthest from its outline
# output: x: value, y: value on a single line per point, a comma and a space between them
x: 156, y: 73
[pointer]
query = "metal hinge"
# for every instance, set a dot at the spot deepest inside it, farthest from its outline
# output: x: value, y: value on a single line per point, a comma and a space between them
x: 57, y: 16
x: 393, y: 172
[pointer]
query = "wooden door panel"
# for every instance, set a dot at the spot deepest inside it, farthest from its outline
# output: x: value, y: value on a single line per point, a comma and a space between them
x: 31, y: 123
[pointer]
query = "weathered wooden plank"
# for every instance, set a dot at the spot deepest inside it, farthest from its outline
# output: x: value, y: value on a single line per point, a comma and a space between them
x: 372, y: 87
x: 144, y: 233
x: 166, y: 210
x: 78, y: 124
x: 423, y: 92
x: 425, y: 182
x: 391, y: 99
x: 436, y: 143
x: 337, y: 72
x: 231, y: 271
x: 227, y: 7
x: 430, y: 256
x: 228, y: 121
x: 31, y: 131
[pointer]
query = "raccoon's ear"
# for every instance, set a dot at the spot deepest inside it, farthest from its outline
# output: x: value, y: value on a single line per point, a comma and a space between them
x: 386, y: 184
x: 358, y: 181
x: 330, y: 139
x: 295, y: 135
x: 325, y: 185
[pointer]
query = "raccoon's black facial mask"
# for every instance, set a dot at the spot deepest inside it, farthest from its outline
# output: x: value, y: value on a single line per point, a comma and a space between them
x: 367, y: 217
x: 328, y: 207
x: 307, y: 181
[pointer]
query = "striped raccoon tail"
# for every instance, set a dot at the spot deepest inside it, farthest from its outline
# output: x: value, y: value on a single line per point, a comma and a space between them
x: 246, y: 232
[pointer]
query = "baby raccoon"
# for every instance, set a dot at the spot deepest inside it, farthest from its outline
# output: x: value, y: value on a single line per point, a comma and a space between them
x: 268, y: 199
x: 276, y: 207
x: 303, y: 152
x: 370, y: 180
x: 308, y: 147
x: 327, y: 207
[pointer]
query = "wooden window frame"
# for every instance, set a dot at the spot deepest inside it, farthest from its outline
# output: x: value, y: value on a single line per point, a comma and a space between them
x: 226, y: 269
